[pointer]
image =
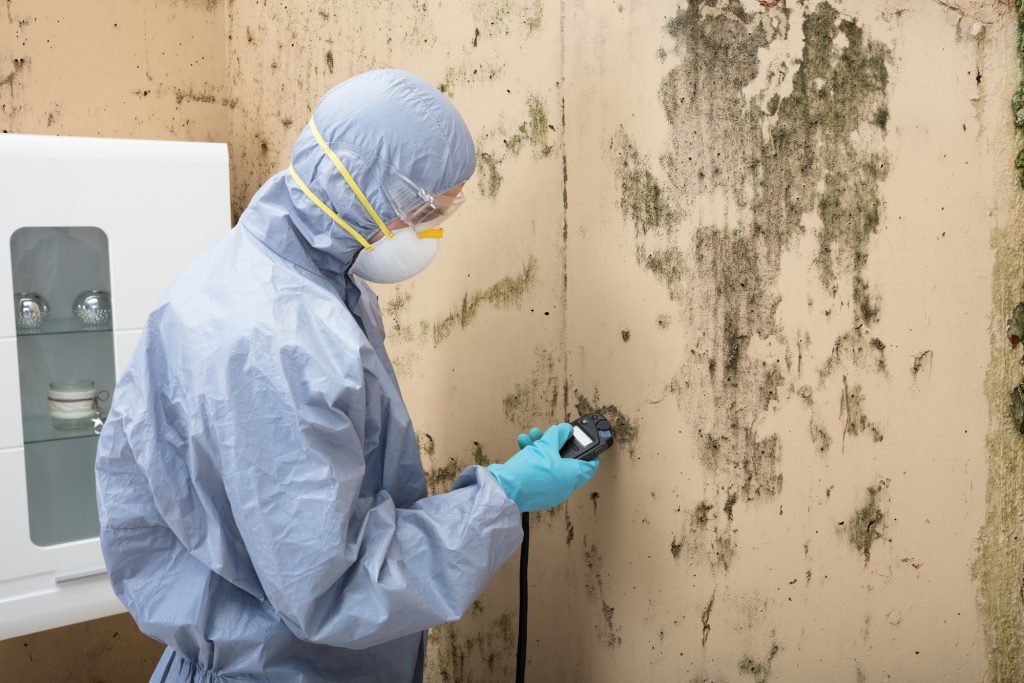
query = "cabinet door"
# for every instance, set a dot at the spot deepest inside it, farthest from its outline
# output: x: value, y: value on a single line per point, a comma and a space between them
x: 84, y: 260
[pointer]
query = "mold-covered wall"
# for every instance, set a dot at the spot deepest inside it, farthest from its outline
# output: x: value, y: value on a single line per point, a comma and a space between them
x: 774, y: 240
x: 774, y: 221
x: 785, y: 214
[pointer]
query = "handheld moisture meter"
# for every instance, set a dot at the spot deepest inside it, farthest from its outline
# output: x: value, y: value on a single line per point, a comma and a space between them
x: 591, y: 436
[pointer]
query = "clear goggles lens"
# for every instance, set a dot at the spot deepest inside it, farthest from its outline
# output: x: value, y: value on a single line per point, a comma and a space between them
x: 433, y: 210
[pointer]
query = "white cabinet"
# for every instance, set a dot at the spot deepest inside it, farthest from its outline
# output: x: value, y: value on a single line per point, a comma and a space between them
x: 119, y: 217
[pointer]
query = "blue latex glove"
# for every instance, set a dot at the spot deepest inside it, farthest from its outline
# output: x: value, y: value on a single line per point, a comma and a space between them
x: 525, y: 440
x: 537, y: 477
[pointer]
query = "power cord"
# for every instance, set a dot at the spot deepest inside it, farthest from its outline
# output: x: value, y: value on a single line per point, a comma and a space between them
x: 524, y: 558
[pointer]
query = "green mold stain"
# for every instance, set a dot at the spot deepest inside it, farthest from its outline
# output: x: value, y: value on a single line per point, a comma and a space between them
x: 641, y: 197
x: 505, y: 293
x: 866, y: 524
x: 489, y: 174
x: 776, y: 158
x: 447, y: 86
x: 533, y: 132
x: 441, y: 479
x: 999, y: 565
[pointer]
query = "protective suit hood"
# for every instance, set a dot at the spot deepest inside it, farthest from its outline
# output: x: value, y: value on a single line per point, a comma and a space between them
x: 388, y: 115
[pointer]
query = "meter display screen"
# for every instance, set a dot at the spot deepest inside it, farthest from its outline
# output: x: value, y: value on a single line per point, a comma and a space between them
x: 581, y: 436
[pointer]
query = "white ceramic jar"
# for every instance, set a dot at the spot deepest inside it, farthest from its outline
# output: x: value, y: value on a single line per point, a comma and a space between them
x: 73, y: 405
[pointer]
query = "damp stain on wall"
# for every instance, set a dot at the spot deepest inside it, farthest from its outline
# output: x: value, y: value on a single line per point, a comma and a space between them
x: 814, y: 147
x: 506, y: 292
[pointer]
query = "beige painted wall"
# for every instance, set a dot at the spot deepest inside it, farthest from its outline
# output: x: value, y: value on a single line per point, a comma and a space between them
x: 776, y: 243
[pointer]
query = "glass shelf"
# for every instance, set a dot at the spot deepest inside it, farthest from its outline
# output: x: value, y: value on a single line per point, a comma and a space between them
x: 59, y: 264
x: 62, y: 326
x: 41, y: 430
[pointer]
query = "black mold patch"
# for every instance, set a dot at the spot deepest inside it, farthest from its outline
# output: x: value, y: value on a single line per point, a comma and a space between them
x: 820, y: 437
x: 491, y: 650
x: 479, y: 457
x: 705, y: 620
x: 922, y: 361
x: 759, y: 669
x: 701, y: 513
x: 856, y: 419
x: 625, y: 429
x: 607, y: 631
x: 854, y: 348
x: 867, y: 523
x: 16, y: 66
x: 504, y: 293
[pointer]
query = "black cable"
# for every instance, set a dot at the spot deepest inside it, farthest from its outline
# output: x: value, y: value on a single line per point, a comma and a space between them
x: 524, y: 557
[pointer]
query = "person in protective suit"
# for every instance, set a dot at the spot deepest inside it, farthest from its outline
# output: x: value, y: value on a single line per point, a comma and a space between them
x: 263, y: 508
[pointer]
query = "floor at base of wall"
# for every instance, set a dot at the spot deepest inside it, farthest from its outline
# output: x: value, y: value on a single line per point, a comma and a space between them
x: 110, y: 650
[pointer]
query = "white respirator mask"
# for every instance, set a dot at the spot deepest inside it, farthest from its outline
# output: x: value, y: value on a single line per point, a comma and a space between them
x: 407, y: 253
x: 400, y: 253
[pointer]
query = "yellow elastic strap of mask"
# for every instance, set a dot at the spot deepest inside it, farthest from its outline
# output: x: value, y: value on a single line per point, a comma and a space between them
x: 433, y: 233
x: 348, y: 179
x: 326, y: 209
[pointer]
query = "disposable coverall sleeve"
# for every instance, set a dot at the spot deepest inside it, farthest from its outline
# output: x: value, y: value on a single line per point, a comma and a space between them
x: 339, y: 567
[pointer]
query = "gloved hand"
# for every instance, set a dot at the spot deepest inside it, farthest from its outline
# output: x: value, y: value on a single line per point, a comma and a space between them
x: 537, y: 477
x: 525, y: 440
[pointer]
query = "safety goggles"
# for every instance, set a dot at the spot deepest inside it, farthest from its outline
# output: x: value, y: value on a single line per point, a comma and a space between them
x: 408, y: 200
